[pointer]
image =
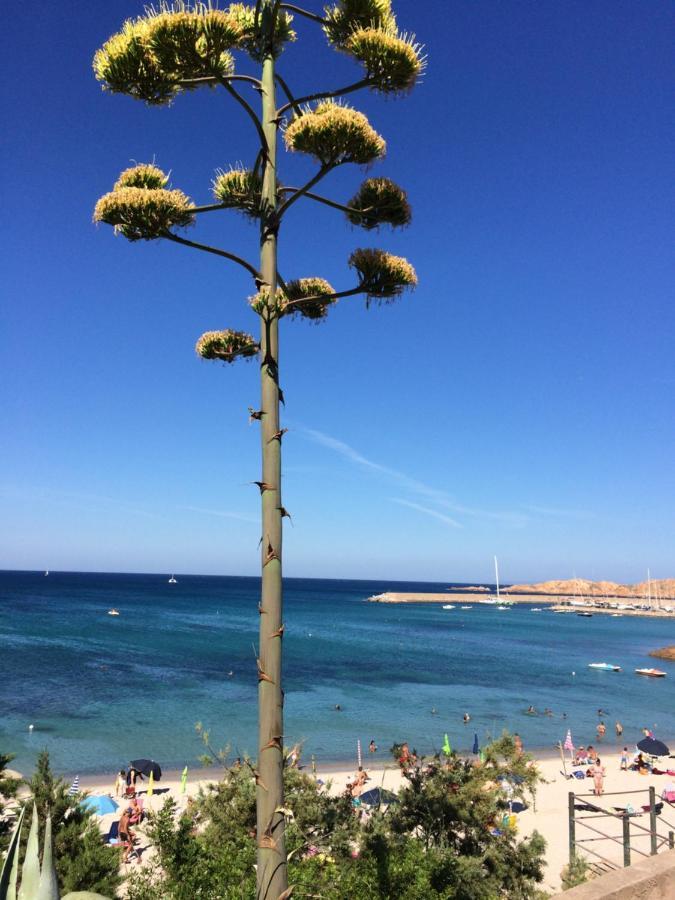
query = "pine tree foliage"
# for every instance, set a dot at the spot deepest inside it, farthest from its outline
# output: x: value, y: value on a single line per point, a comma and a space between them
x: 9, y: 785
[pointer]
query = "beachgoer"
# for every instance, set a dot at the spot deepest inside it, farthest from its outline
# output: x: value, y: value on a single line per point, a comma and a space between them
x: 136, y: 814
x: 619, y: 729
x: 120, y: 782
x: 591, y: 753
x: 518, y: 741
x: 548, y: 712
x: 580, y: 757
x: 434, y: 711
x: 372, y: 747
x: 467, y: 718
x: 601, y: 730
x: 598, y: 772
x: 126, y: 835
x: 624, y: 760
x: 338, y: 707
x: 531, y: 709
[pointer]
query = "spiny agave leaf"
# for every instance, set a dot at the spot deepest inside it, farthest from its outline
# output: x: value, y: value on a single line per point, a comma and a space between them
x: 379, y: 201
x: 306, y: 295
x: 245, y: 16
x: 49, y: 886
x: 335, y: 134
x: 239, y: 188
x: 226, y: 345
x: 144, y: 175
x: 10, y: 866
x: 142, y: 214
x: 382, y: 275
x: 30, y: 873
x: 348, y: 15
x: 393, y: 62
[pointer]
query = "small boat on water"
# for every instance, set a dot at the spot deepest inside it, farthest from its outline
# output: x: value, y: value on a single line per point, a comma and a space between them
x: 448, y: 606
x: 503, y: 607
x: 586, y: 615
x: 604, y: 667
x: 466, y: 607
x: 113, y: 612
x: 536, y: 609
x: 651, y: 673
x: 172, y: 580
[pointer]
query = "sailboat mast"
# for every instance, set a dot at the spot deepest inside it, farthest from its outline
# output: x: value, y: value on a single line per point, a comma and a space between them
x: 497, y: 576
x: 649, y: 589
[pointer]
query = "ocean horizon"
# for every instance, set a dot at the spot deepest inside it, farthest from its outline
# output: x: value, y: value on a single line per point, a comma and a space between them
x: 100, y: 690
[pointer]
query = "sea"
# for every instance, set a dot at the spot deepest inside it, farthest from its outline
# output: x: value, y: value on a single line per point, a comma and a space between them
x: 99, y: 690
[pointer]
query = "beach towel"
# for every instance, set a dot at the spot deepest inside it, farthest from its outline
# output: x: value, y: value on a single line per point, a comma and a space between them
x: 113, y: 836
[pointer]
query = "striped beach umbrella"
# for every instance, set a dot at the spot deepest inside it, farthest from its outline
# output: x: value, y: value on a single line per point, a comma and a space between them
x: 74, y: 789
x: 568, y: 745
x: 358, y: 753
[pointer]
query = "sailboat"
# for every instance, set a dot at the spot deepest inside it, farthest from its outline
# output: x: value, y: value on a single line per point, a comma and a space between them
x: 497, y: 601
x: 172, y: 580
x: 47, y: 572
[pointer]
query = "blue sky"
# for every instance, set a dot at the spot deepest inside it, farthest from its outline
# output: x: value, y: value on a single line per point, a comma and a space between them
x: 519, y: 403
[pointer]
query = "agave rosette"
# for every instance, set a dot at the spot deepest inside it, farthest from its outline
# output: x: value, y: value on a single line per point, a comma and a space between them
x: 379, y: 201
x: 382, y: 275
x: 226, y: 345
x: 335, y: 133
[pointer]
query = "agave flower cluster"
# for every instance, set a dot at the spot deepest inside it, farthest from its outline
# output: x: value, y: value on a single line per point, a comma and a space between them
x: 379, y: 201
x: 382, y: 275
x: 177, y: 46
x: 305, y: 297
x: 335, y: 133
x: 227, y: 345
x: 140, y: 206
x: 239, y: 188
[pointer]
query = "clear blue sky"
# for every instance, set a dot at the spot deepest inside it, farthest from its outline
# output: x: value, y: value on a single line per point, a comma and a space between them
x: 519, y: 403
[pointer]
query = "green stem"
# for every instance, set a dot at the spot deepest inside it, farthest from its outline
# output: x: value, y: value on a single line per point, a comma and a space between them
x: 215, y: 250
x: 302, y: 12
x: 325, y: 95
x: 300, y: 192
x: 272, y: 876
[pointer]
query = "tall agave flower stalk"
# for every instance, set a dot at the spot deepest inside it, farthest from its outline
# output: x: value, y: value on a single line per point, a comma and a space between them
x: 180, y: 47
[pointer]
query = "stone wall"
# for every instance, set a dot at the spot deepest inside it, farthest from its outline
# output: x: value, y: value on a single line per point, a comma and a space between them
x: 650, y: 879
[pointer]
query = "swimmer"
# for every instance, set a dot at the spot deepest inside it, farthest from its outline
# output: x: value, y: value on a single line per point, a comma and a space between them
x: 338, y: 707
x: 467, y: 718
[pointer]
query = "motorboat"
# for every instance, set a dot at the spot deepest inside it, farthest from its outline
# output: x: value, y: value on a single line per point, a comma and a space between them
x: 172, y: 580
x: 586, y: 615
x: 448, y: 606
x: 466, y: 607
x: 113, y: 612
x: 536, y: 609
x: 604, y: 667
x: 651, y: 673
x: 503, y: 607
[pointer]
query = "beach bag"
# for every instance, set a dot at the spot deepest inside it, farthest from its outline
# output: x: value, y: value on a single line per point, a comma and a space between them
x: 579, y: 774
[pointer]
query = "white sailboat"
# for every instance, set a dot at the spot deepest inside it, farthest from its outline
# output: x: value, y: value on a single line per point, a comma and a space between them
x: 497, y: 600
x: 172, y: 580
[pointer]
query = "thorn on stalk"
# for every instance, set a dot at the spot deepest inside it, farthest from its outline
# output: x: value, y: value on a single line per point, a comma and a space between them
x: 285, y: 895
x: 273, y: 743
x: 279, y: 632
x: 270, y: 554
x: 267, y: 842
x: 281, y: 396
x: 262, y: 675
x: 261, y: 611
x: 277, y: 436
x: 263, y: 486
x: 284, y: 514
x: 255, y: 414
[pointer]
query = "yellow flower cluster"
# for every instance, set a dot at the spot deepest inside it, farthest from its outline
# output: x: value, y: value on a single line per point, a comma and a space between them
x: 347, y: 15
x: 379, y: 201
x: 239, y: 188
x: 393, y: 63
x: 226, y: 345
x: 335, y: 133
x: 382, y: 275
x: 310, y: 298
x: 141, y: 208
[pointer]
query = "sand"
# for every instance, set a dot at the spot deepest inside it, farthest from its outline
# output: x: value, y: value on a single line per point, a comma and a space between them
x: 548, y: 815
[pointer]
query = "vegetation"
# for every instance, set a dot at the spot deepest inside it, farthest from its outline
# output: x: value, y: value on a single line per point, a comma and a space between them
x: 575, y: 872
x: 444, y: 838
x: 9, y: 786
x: 178, y: 47
x: 83, y: 862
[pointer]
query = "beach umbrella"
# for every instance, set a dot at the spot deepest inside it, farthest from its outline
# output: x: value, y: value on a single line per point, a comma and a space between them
x: 359, y: 761
x: 568, y: 745
x: 146, y: 766
x: 476, y: 748
x: 183, y: 780
x: 447, y: 749
x: 75, y: 787
x: 100, y: 804
x: 151, y: 784
x: 377, y: 797
x: 653, y: 747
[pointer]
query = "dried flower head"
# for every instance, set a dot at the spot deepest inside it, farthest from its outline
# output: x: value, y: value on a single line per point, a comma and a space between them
x: 239, y: 188
x: 144, y: 175
x: 348, y: 15
x: 335, y: 133
x: 382, y: 275
x: 226, y: 345
x: 379, y: 201
x: 245, y: 16
x: 393, y: 62
x: 309, y: 298
x: 142, y: 213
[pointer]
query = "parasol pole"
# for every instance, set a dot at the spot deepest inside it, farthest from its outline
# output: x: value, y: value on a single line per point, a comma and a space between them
x: 358, y: 753
x: 562, y: 757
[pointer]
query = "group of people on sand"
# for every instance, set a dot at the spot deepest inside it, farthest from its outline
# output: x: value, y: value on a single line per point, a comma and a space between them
x: 354, y: 788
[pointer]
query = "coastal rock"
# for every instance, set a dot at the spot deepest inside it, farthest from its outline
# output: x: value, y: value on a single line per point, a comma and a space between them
x: 581, y: 587
x: 664, y: 652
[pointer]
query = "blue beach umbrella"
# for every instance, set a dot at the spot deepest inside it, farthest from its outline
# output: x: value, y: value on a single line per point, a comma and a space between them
x: 100, y: 804
x: 476, y: 748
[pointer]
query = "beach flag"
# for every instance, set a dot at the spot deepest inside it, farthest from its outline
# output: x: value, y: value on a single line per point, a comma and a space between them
x: 568, y: 745
x: 358, y: 753
x: 75, y: 787
x: 151, y: 784
x: 447, y: 749
x: 183, y: 780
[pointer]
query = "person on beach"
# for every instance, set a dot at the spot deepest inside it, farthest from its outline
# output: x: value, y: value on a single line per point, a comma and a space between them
x: 518, y: 741
x: 592, y: 753
x: 619, y: 729
x: 372, y: 747
x: 120, y: 782
x: 125, y: 833
x: 601, y: 729
x: 624, y: 760
x: 598, y: 773
x: 580, y: 757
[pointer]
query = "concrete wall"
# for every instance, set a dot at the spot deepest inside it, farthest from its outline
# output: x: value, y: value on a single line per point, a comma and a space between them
x: 650, y: 879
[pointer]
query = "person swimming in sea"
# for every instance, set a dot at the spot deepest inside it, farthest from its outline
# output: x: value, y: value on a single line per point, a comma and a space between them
x: 467, y: 718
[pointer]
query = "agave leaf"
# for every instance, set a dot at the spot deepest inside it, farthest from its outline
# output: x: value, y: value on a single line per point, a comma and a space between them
x: 49, y: 886
x: 84, y: 895
x: 10, y: 867
x: 30, y: 873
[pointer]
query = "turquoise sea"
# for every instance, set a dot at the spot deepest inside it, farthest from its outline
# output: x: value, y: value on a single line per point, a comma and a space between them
x: 100, y: 690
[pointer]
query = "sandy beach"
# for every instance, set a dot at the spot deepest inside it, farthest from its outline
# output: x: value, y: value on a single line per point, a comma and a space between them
x: 548, y: 814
